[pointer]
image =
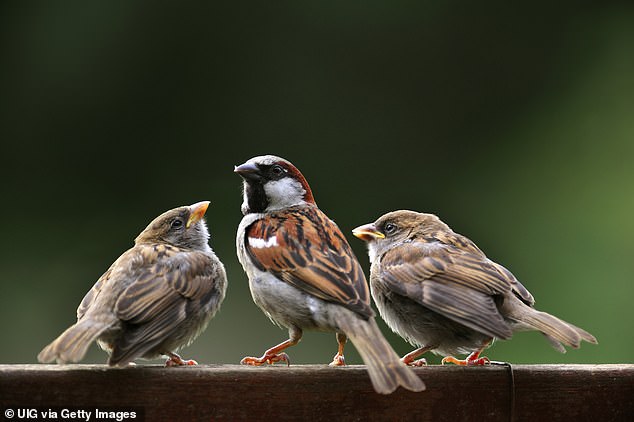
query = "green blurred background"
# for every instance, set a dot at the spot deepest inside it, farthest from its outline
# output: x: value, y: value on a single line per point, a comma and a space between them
x: 515, y: 124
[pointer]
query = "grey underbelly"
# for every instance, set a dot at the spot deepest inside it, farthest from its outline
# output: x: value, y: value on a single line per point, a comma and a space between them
x: 288, y: 306
x: 422, y: 327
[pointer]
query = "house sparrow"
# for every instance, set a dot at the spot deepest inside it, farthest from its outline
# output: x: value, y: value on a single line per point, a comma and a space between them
x: 156, y: 298
x: 304, y: 275
x: 439, y: 292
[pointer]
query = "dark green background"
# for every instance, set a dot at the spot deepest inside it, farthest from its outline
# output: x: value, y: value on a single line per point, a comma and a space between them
x: 515, y: 124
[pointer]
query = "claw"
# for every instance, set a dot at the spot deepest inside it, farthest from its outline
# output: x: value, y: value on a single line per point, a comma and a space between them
x: 473, y: 359
x: 275, y: 354
x: 469, y: 361
x: 481, y: 361
x: 175, y: 360
x: 410, y: 358
x: 338, y: 360
x: 270, y: 359
x: 417, y: 363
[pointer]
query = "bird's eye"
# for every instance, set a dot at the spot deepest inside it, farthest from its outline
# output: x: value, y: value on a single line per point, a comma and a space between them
x: 177, y: 223
x: 390, y: 228
x: 277, y: 170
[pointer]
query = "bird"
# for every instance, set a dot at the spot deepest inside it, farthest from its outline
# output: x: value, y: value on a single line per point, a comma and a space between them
x: 437, y: 290
x: 304, y: 275
x: 154, y: 299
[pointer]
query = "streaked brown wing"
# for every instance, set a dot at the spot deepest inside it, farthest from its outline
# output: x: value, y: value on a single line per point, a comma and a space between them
x: 93, y: 293
x: 165, y: 275
x: 307, y: 250
x: 459, y: 285
x: 165, y: 284
x: 464, y: 244
x: 518, y: 288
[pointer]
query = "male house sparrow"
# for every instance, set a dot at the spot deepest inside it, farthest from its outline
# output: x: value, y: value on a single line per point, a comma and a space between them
x: 303, y: 273
x: 439, y: 292
x: 156, y: 298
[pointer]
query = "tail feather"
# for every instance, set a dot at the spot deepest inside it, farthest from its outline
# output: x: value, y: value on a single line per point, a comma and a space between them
x: 385, y: 368
x: 557, y: 331
x: 555, y: 343
x: 72, y: 344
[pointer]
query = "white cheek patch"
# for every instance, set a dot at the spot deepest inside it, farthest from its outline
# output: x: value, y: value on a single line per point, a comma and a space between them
x: 257, y: 243
x: 284, y: 193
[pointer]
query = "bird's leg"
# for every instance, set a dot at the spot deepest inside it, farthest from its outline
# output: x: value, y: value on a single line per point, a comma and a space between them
x: 410, y: 358
x: 275, y: 354
x: 176, y: 360
x: 473, y: 359
x: 339, y: 360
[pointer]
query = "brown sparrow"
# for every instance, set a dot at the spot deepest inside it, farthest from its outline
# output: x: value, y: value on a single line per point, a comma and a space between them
x: 304, y: 275
x: 439, y: 292
x: 156, y: 298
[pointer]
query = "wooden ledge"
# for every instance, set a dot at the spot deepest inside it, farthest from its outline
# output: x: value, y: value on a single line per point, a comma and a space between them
x: 310, y: 392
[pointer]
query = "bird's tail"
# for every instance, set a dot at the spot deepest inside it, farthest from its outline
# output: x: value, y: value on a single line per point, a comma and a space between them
x: 385, y: 368
x: 557, y: 331
x: 72, y: 344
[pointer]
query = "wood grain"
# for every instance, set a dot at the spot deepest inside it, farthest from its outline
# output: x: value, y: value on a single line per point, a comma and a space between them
x: 309, y: 392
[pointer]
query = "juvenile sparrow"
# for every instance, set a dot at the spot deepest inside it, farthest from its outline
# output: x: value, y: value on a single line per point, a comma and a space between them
x: 156, y: 298
x: 304, y: 275
x: 439, y: 292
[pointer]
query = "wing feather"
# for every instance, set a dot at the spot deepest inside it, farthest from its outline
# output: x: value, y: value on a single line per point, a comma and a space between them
x: 166, y: 275
x: 306, y: 249
x: 461, y: 285
x: 166, y: 281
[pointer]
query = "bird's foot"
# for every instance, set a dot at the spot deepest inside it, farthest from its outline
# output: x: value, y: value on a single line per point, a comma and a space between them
x: 469, y: 361
x: 411, y: 359
x: 473, y: 359
x: 338, y: 360
x: 175, y: 360
x: 270, y: 358
x: 414, y: 362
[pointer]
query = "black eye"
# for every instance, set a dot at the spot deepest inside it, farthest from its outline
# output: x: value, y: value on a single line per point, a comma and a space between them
x: 390, y: 228
x: 177, y: 223
x: 277, y: 170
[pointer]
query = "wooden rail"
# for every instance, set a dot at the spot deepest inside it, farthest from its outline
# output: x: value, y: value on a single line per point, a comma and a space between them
x: 309, y: 392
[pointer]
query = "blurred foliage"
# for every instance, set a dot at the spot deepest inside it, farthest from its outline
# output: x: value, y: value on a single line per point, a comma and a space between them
x: 514, y: 123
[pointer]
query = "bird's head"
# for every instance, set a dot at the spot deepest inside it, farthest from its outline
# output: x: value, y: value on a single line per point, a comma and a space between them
x: 183, y: 227
x: 397, y: 227
x: 272, y: 183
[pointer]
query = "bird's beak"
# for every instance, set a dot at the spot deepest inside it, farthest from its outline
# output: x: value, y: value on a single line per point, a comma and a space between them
x: 198, y: 211
x: 248, y: 171
x: 368, y: 232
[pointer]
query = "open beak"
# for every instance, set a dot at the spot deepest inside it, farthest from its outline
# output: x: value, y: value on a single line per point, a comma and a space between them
x: 368, y: 233
x: 198, y: 211
x: 248, y: 171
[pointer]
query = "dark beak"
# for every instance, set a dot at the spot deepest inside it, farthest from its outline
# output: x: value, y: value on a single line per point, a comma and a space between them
x: 248, y: 171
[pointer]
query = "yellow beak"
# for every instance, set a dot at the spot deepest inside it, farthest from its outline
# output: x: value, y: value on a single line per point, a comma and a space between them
x: 368, y: 232
x: 198, y: 211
